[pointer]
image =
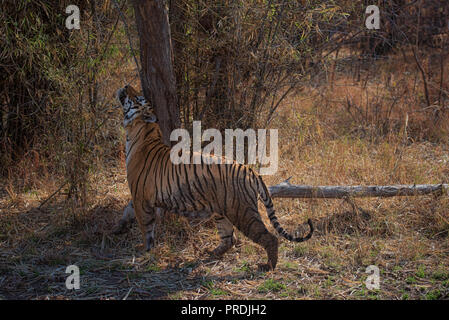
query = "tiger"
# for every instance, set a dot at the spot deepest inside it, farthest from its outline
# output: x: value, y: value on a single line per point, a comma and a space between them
x: 227, y: 192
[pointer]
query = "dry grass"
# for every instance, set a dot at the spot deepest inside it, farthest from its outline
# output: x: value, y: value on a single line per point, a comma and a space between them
x: 407, y: 238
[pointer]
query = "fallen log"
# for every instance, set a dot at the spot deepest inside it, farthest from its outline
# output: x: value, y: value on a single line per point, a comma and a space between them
x: 287, y: 190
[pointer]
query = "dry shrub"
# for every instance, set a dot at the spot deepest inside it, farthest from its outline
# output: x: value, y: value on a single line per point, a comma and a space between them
x: 388, y: 100
x: 236, y: 61
x: 57, y: 94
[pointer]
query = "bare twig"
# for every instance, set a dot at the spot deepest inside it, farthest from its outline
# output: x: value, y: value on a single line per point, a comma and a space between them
x: 52, y: 195
x: 128, y: 35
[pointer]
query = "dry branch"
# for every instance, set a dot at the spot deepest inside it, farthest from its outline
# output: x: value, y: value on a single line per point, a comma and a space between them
x: 287, y: 190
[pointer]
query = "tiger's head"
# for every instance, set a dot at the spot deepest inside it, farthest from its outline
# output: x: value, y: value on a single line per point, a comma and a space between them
x: 135, y: 106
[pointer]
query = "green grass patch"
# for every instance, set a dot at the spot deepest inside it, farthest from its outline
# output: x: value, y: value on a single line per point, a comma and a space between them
x: 271, y: 285
x: 434, y: 295
x: 421, y: 272
x: 410, y: 280
x: 153, y: 268
x: 440, y: 275
x: 218, y: 292
x: 245, y: 267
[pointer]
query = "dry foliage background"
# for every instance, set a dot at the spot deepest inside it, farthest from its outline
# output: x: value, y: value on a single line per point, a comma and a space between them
x: 353, y: 106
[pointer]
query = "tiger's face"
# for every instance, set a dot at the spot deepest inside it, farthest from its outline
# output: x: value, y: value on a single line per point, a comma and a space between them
x: 135, y: 106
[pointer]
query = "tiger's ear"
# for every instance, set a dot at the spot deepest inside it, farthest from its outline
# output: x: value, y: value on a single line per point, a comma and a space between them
x: 121, y: 95
x: 131, y: 91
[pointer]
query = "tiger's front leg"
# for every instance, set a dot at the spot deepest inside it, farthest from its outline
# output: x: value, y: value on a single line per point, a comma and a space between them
x: 127, y: 219
x: 146, y: 218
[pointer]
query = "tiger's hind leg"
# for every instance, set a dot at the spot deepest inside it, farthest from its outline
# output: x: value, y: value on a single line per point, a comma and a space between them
x: 146, y: 218
x: 252, y: 226
x: 226, y: 233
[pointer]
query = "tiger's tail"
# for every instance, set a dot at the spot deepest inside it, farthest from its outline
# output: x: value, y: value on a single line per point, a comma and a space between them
x: 266, y: 199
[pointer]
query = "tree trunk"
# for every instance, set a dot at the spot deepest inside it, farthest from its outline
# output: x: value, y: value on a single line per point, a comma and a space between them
x: 156, y: 56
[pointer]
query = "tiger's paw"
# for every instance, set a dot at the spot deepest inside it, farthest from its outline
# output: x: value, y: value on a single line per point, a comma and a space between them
x: 120, y: 228
x: 214, y: 253
x: 149, y: 243
x: 264, y: 267
x: 220, y: 250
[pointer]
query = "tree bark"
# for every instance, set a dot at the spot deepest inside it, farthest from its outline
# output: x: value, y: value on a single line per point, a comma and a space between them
x: 287, y: 190
x: 156, y: 56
